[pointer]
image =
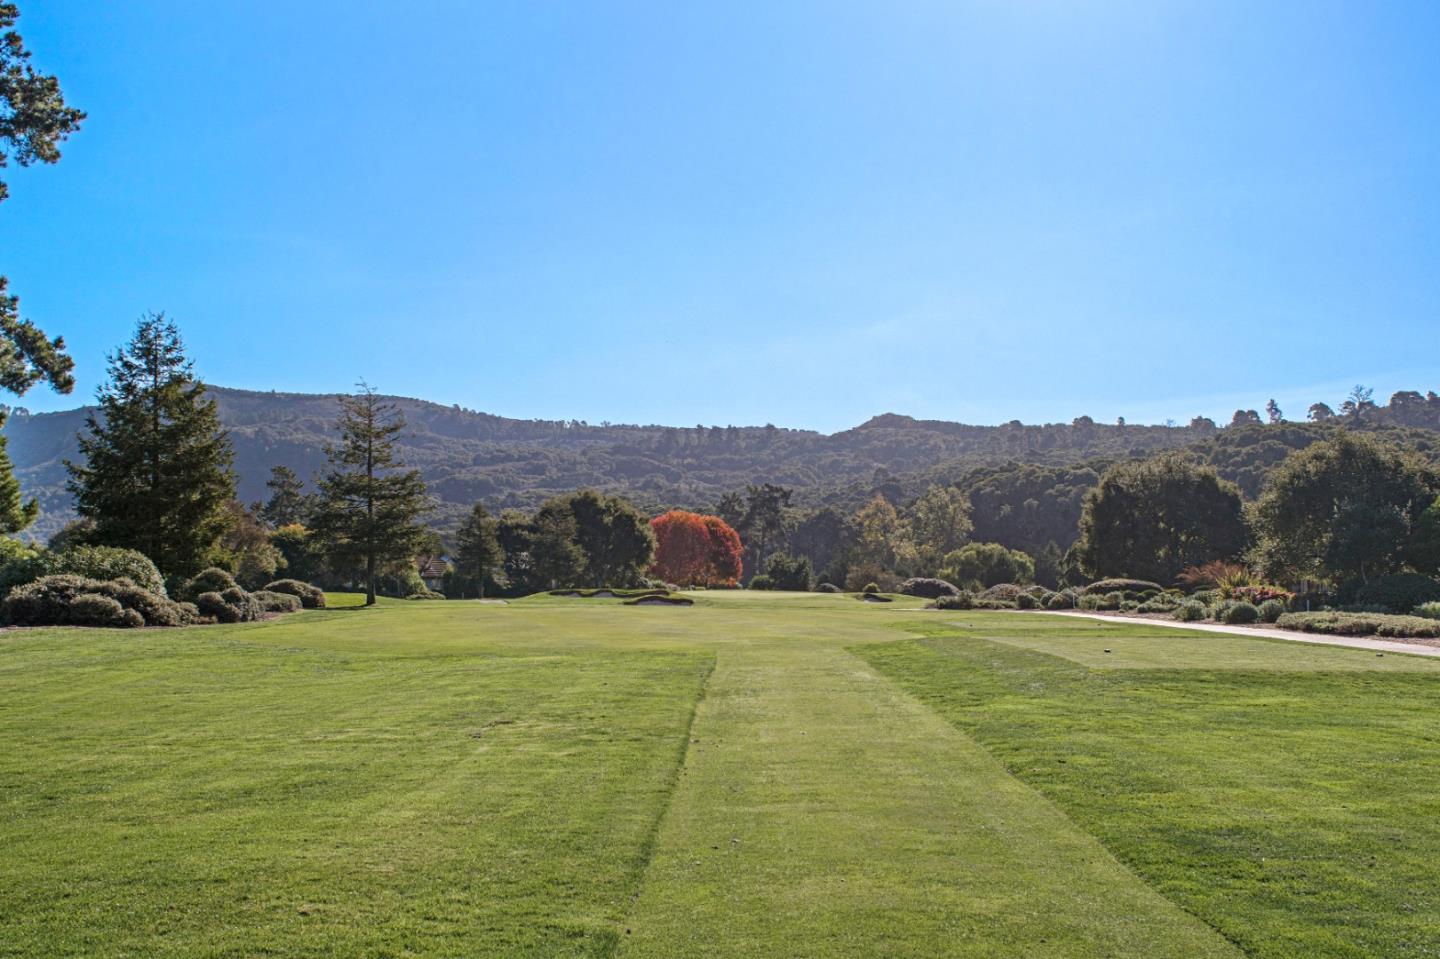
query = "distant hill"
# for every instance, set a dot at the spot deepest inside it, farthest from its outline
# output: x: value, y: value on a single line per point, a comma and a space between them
x: 467, y: 455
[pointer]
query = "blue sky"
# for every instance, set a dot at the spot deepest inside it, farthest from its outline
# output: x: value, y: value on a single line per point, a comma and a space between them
x: 800, y: 213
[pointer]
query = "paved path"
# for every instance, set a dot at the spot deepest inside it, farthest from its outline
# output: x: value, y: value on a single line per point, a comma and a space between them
x: 1356, y: 642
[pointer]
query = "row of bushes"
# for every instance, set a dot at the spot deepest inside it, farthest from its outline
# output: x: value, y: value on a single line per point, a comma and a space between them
x: 1363, y: 624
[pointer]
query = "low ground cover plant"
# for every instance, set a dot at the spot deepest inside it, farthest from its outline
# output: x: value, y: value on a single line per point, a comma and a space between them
x: 1362, y: 624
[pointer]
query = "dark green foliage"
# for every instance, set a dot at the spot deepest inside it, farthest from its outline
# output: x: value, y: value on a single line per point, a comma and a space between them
x: 1192, y: 611
x: 34, y: 120
x: 1241, y: 614
x: 615, y: 541
x: 303, y: 557
x: 272, y: 602
x: 787, y: 572
x: 824, y: 536
x: 988, y: 564
x: 1153, y: 518
x: 92, y: 609
x: 425, y: 594
x: 311, y: 597
x: 288, y: 503
x: 211, y: 580
x: 1060, y: 601
x: 762, y: 581
x: 1271, y: 610
x: 927, y: 587
x: 370, y: 505
x: 477, y: 551
x: 1341, y: 510
x: 1024, y: 506
x: 764, y: 522
x: 1398, y: 592
x: 964, y: 599
x: 91, y: 562
x: 157, y: 471
x: 1423, y: 551
x: 15, y: 514
x: 1362, y: 624
x: 555, y: 558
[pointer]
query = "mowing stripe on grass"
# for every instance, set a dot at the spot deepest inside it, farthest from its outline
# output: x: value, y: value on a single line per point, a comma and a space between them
x: 824, y: 812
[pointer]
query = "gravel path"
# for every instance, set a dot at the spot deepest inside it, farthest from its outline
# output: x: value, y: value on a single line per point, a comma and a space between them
x: 1415, y: 648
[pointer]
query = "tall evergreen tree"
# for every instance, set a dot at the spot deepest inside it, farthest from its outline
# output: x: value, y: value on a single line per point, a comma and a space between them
x: 157, y: 475
x: 478, y: 552
x: 15, y: 513
x: 370, y: 504
x: 288, y: 502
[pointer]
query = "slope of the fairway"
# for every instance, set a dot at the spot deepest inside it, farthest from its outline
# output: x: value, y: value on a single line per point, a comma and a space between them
x: 385, y: 782
x: 1287, y: 794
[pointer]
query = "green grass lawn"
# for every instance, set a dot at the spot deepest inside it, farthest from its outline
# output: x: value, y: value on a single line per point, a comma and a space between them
x: 759, y: 775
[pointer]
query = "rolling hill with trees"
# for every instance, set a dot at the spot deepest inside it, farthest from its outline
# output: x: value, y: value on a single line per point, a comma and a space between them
x: 467, y: 456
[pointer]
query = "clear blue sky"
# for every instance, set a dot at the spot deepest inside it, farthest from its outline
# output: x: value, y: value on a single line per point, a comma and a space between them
x: 803, y: 213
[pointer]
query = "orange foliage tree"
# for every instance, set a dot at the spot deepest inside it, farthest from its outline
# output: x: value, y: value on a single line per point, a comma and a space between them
x: 695, y: 550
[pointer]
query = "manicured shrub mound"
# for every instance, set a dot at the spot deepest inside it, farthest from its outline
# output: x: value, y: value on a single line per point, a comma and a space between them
x: 1060, y: 601
x: 55, y: 601
x: 1191, y: 611
x: 102, y: 563
x: 927, y: 587
x: 1007, y: 592
x: 212, y: 580
x: 1363, y: 624
x: 277, y: 602
x: 233, y: 605
x: 1241, y: 614
x: 425, y: 594
x: 1399, y: 592
x: 828, y: 588
x: 311, y: 597
x: 1271, y: 610
x: 964, y: 599
x: 1123, y: 585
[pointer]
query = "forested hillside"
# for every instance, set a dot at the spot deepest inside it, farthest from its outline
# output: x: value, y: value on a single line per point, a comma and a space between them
x: 466, y: 456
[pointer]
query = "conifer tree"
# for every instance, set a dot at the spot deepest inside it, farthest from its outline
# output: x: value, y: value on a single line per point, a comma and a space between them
x: 478, y: 546
x: 288, y: 503
x: 157, y: 474
x: 15, y: 514
x: 370, y: 504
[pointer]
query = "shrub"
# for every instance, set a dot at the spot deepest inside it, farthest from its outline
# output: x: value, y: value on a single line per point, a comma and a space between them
x: 92, y: 609
x: 1262, y: 594
x: 927, y: 587
x: 1129, y: 606
x: 1271, y: 610
x: 1009, y: 592
x: 311, y: 597
x: 129, y: 619
x: 827, y: 588
x: 1026, y: 601
x: 1242, y: 613
x: 233, y: 605
x: 100, y: 563
x: 1399, y: 592
x: 1060, y: 601
x: 870, y: 588
x: 963, y: 599
x: 1123, y: 585
x: 761, y: 582
x: 1363, y: 624
x: 212, y: 580
x: 1428, y: 610
x: 50, y: 601
x: 1190, y: 611
x: 277, y: 602
x: 792, y: 573
x: 425, y: 594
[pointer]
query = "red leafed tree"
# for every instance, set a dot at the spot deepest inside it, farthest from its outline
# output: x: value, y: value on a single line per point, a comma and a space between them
x: 695, y: 550
x: 726, y: 552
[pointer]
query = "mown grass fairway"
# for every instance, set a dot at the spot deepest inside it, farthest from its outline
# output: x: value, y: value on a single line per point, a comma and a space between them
x: 758, y: 775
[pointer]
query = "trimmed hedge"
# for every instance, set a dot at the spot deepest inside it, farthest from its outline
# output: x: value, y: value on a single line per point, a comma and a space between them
x: 927, y: 587
x: 52, y: 601
x: 273, y: 602
x: 233, y: 605
x: 212, y: 580
x: 1123, y: 585
x: 1363, y: 624
x: 101, y: 563
x: 311, y: 597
